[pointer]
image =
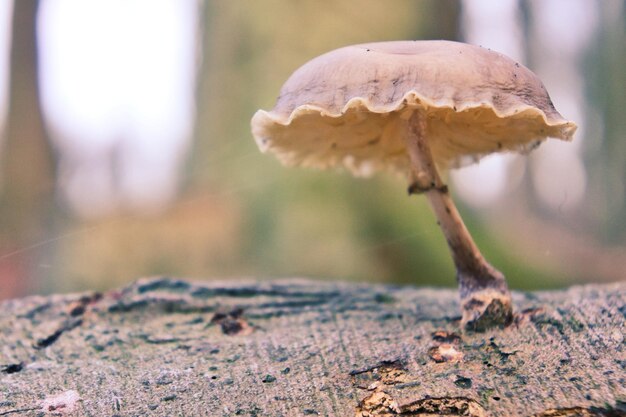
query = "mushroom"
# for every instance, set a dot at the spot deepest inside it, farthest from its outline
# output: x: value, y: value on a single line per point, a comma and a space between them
x: 416, y: 108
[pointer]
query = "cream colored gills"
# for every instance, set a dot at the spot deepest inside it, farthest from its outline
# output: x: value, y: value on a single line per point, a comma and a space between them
x: 477, y: 101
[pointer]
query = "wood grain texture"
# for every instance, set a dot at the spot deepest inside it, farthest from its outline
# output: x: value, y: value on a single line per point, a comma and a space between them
x: 303, y: 348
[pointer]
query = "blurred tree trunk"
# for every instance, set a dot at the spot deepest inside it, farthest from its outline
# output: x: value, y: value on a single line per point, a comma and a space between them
x: 197, y: 171
x: 443, y: 20
x: 27, y: 162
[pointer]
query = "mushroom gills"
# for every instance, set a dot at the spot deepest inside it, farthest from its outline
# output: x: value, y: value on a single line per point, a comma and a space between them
x: 457, y: 138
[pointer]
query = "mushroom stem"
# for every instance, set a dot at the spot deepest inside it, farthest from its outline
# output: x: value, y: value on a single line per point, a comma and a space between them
x: 485, y: 297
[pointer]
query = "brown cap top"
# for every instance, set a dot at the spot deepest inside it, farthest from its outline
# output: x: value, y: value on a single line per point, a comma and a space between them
x: 343, y: 107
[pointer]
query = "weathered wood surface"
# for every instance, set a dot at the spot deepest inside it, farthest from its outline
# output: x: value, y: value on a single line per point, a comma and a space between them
x: 303, y: 348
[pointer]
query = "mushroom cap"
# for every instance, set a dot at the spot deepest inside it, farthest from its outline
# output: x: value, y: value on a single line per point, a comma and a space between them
x: 345, y: 107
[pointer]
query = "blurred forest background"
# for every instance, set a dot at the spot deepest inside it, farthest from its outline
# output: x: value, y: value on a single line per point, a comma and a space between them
x: 126, y: 150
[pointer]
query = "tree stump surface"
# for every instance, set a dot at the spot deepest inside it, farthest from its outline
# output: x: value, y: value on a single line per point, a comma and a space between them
x: 165, y: 347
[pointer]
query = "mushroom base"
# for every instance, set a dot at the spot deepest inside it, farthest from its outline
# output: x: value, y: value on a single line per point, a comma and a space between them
x: 486, y: 308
